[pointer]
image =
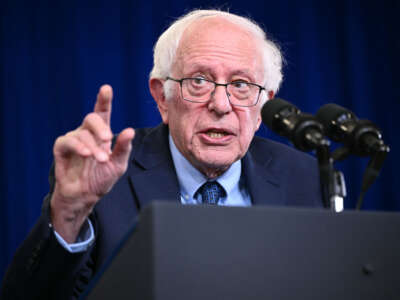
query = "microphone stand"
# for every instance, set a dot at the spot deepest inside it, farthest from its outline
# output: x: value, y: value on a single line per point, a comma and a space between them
x: 333, y: 186
x: 372, y: 171
x: 378, y: 151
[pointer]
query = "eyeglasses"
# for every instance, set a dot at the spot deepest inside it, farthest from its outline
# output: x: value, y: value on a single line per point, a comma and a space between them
x: 200, y: 90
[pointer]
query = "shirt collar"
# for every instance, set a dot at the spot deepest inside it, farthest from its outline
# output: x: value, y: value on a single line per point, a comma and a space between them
x: 190, y: 179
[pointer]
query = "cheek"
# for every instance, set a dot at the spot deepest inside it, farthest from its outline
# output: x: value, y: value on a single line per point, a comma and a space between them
x: 182, y: 122
x: 249, y: 124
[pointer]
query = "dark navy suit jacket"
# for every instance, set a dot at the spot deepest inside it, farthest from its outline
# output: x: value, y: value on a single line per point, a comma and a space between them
x: 274, y: 174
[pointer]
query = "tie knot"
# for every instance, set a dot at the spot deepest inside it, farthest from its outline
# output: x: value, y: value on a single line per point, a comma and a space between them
x: 211, y: 192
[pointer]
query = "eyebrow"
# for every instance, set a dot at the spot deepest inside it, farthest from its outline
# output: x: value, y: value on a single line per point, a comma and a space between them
x: 199, y: 67
x: 203, y: 68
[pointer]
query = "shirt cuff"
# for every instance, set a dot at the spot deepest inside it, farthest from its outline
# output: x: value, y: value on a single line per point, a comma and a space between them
x: 83, y: 242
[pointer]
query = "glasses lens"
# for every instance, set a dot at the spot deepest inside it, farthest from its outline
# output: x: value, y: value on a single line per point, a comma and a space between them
x: 197, y: 89
x: 243, y: 93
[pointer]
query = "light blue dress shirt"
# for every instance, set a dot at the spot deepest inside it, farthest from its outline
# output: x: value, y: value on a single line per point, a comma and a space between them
x: 190, y: 180
x: 84, y: 240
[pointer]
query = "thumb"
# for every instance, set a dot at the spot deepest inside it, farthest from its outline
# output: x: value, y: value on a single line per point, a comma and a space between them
x: 122, y: 147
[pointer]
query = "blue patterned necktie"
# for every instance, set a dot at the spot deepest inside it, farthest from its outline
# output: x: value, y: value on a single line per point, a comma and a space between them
x: 211, y: 192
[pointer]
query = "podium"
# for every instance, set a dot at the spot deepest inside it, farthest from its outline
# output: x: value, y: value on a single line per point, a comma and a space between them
x: 211, y: 252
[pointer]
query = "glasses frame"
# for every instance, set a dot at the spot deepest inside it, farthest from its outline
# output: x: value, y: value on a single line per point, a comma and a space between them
x: 261, y: 88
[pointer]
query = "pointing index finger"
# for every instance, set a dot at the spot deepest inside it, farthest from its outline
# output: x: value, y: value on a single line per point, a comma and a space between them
x: 103, y: 103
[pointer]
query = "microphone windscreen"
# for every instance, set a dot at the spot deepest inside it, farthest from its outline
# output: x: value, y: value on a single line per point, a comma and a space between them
x: 275, y: 107
x: 333, y: 112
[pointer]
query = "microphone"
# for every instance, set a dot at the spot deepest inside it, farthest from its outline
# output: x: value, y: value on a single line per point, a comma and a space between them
x: 282, y: 117
x: 361, y: 137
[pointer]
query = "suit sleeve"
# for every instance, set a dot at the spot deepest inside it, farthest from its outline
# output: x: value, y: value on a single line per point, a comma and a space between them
x: 43, y: 269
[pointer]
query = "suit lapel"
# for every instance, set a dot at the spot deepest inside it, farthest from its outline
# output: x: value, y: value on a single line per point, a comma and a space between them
x: 153, y: 175
x: 264, y: 186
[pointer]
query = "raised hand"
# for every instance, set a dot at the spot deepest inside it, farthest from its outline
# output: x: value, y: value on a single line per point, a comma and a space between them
x: 86, y: 168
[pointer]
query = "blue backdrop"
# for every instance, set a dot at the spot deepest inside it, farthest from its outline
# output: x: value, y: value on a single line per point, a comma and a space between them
x: 54, y: 55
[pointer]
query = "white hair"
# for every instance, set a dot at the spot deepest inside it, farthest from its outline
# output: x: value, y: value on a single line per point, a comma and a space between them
x: 167, y: 44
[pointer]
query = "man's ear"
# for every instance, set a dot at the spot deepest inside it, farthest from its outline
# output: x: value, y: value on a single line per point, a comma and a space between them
x: 271, y: 95
x: 157, y: 91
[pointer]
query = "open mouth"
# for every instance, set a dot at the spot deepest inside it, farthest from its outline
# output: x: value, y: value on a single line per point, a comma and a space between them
x: 216, y: 134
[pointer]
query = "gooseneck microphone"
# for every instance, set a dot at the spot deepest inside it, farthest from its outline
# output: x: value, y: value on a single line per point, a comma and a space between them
x: 361, y: 137
x: 282, y: 117
x: 306, y: 134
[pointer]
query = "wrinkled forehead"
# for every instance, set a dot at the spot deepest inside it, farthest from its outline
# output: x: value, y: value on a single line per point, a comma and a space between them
x: 218, y: 34
x: 215, y: 24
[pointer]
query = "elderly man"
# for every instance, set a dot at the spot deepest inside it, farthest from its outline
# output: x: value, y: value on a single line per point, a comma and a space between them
x: 212, y: 73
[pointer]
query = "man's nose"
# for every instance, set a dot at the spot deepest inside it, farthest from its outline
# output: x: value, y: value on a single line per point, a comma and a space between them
x: 219, y: 101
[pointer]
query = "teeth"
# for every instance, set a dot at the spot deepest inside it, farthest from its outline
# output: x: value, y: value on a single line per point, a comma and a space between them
x: 216, y: 134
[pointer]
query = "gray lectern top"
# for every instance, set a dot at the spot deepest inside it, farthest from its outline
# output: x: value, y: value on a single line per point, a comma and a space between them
x: 203, y: 252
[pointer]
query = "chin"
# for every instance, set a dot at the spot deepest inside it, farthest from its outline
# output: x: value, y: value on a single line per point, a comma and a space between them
x: 216, y: 160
